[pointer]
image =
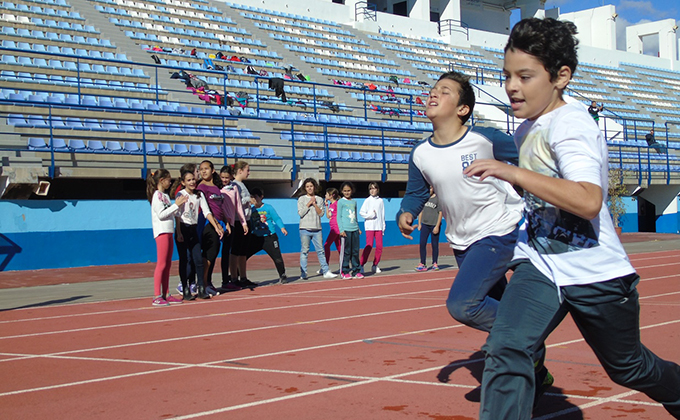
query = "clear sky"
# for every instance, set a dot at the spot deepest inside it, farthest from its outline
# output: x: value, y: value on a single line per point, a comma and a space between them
x: 632, y: 11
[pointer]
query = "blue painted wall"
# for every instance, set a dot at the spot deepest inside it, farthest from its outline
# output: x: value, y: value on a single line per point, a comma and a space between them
x: 59, y: 234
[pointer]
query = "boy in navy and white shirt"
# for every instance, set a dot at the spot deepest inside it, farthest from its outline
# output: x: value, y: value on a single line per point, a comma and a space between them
x: 481, y: 216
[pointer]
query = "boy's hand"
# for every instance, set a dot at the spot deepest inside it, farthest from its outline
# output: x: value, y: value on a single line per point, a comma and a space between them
x: 343, y: 234
x: 405, y: 224
x: 180, y: 238
x: 484, y: 168
x: 245, y: 228
x: 284, y: 231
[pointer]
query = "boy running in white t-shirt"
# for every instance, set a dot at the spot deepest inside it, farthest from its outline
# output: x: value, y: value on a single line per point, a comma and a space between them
x: 568, y: 258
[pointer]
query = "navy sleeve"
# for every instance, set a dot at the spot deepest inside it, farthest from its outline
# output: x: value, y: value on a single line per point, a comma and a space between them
x: 417, y: 190
x: 504, y: 148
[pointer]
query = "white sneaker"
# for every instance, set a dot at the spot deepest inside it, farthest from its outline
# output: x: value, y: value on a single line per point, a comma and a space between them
x: 329, y: 275
x: 375, y: 269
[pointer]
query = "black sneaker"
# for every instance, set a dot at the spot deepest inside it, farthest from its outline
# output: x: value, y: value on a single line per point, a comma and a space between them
x: 247, y: 283
x: 228, y: 287
x: 544, y: 380
x: 283, y: 279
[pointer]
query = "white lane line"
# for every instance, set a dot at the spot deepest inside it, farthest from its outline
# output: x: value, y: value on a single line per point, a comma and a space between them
x: 613, y: 398
x: 362, y: 380
x: 173, y: 366
x: 231, y: 298
x: 247, y: 330
x: 248, y: 311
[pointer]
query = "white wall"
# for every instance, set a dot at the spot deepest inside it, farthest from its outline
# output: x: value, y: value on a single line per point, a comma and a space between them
x: 663, y: 29
x: 596, y: 27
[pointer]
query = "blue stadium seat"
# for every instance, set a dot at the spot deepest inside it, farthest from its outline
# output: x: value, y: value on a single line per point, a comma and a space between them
x: 181, y: 149
x: 166, y: 149
x: 77, y: 145
x: 97, y: 146
x: 320, y: 155
x: 132, y: 148
x: 212, y: 150
x: 254, y: 152
x: 150, y: 149
x: 114, y: 147
x: 197, y: 150
x: 37, y: 144
x: 269, y: 153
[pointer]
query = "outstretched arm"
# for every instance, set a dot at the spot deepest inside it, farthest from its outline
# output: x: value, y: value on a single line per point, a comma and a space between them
x: 583, y: 199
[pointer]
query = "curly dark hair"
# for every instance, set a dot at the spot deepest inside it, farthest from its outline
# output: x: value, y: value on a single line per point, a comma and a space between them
x: 466, y: 96
x: 551, y: 41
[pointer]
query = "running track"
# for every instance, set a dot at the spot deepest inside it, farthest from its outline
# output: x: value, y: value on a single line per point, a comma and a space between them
x: 381, y: 348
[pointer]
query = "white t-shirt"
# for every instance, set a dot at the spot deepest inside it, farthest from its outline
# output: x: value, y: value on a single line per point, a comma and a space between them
x: 373, y: 212
x: 566, y: 143
x: 189, y: 210
x: 473, y: 209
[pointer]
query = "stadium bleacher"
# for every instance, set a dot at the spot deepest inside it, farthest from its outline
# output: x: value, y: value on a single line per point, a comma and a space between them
x: 94, y: 88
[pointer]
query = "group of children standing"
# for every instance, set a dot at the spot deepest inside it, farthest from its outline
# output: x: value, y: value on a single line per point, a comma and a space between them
x: 344, y: 233
x: 214, y: 212
x: 211, y: 211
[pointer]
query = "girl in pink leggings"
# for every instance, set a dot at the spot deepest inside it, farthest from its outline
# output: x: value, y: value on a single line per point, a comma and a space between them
x: 373, y: 212
x: 162, y: 220
x: 332, y: 196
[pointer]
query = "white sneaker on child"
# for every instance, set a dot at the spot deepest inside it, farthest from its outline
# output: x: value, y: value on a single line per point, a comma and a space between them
x: 329, y: 275
x: 375, y: 269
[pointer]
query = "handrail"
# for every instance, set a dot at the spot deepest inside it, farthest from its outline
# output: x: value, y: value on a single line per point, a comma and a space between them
x: 365, y: 9
x: 504, y: 105
x: 453, y: 25
x: 143, y: 114
x: 479, y: 72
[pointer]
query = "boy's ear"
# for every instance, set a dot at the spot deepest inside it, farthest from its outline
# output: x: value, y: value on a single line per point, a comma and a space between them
x: 463, y: 110
x: 563, y: 77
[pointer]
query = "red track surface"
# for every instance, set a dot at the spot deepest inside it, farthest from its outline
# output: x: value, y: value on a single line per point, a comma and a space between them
x: 381, y: 348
